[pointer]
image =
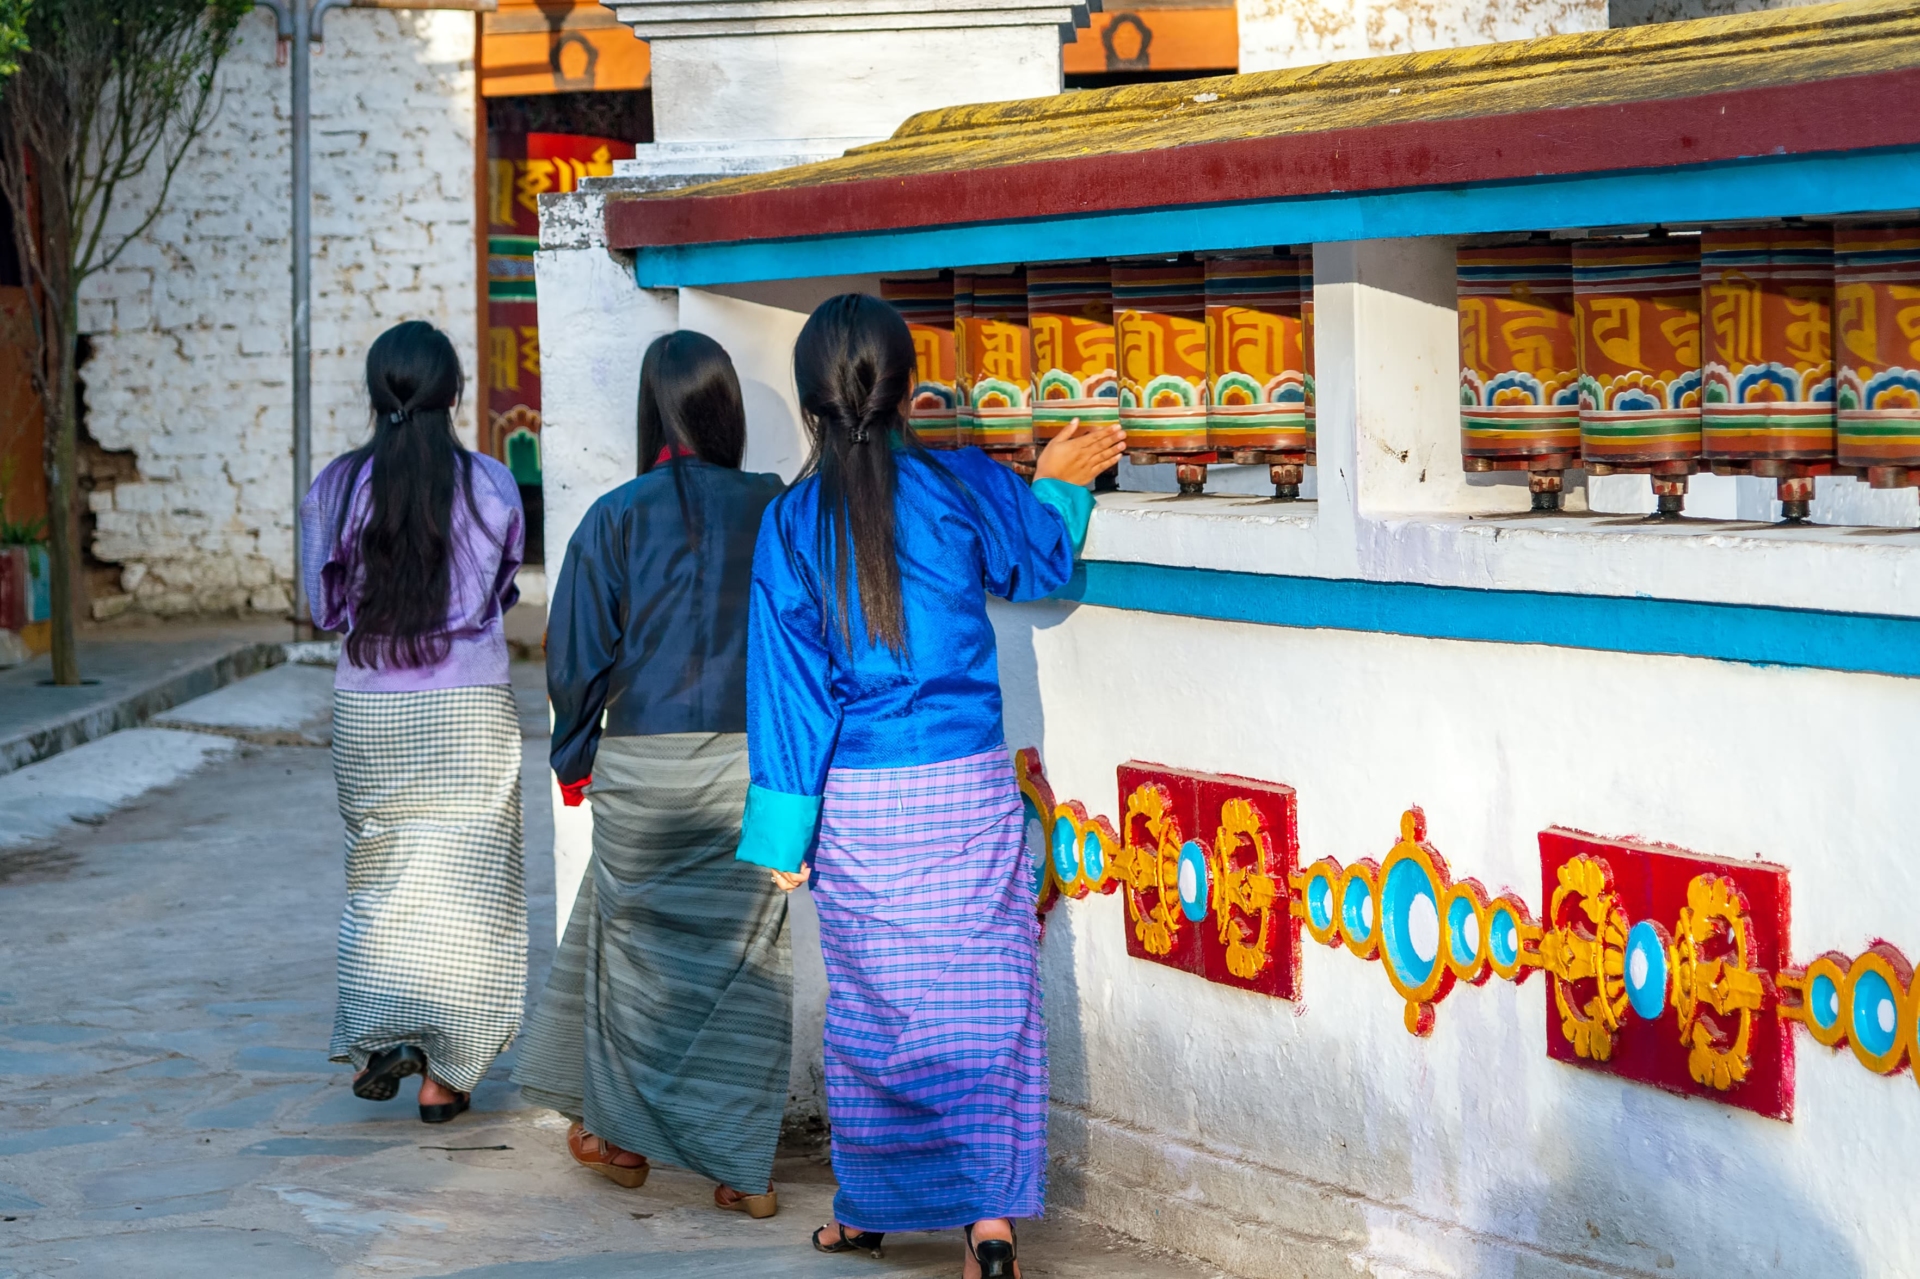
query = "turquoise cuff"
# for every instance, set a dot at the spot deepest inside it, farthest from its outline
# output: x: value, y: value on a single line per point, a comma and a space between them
x: 1074, y: 504
x: 778, y: 830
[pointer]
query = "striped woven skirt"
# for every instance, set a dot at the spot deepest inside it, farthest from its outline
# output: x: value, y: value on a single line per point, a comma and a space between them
x: 667, y: 1023
x: 433, y: 943
x: 936, y: 1044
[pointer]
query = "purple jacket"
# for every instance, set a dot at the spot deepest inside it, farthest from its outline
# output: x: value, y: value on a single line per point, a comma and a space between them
x: 486, y: 557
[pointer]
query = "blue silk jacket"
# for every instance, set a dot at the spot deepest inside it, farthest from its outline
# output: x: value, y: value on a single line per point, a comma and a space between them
x: 649, y: 624
x: 965, y: 527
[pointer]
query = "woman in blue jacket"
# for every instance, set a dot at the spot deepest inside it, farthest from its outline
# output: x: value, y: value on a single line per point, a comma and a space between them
x: 878, y: 754
x: 666, y: 1025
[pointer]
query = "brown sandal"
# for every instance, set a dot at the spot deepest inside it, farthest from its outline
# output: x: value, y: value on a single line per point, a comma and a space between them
x: 755, y: 1206
x: 597, y: 1153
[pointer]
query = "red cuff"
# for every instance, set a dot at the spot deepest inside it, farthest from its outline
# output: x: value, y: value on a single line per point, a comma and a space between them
x: 572, y: 793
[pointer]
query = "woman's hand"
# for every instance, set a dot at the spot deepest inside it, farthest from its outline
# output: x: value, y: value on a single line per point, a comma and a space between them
x: 1078, y: 454
x: 786, y: 882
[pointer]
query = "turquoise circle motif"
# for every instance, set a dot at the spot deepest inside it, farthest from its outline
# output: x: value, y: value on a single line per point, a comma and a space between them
x: 1410, y: 922
x: 1503, y: 937
x: 1093, y: 858
x: 1356, y: 910
x: 1646, y: 971
x: 1066, y: 866
x: 1823, y: 1001
x: 1876, y: 1014
x: 1320, y: 902
x: 1194, y: 889
x: 1463, y: 932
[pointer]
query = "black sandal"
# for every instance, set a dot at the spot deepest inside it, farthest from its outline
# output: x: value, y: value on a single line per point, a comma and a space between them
x: 446, y: 1111
x: 995, y: 1257
x: 381, y: 1079
x: 867, y: 1241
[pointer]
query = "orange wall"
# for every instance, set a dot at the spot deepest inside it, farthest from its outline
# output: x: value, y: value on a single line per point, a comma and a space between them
x: 558, y: 46
x: 1156, y: 40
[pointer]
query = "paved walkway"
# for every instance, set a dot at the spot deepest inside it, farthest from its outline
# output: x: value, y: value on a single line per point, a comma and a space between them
x: 166, y: 1109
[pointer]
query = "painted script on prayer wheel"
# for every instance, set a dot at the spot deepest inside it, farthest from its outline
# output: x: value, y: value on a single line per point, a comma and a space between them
x: 1519, y: 363
x: 1766, y: 319
x: 1256, y: 357
x: 996, y: 362
x: 1637, y: 324
x: 1070, y: 315
x: 927, y: 307
x: 1876, y: 321
x: 1160, y: 323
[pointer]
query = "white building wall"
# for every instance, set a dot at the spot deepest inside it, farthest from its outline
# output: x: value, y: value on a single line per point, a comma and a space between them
x: 191, y: 328
x: 1302, y: 33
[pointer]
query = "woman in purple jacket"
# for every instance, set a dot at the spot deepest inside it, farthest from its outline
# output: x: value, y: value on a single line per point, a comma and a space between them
x: 409, y: 546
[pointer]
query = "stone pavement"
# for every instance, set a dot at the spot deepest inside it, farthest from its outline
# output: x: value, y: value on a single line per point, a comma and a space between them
x: 166, y: 1108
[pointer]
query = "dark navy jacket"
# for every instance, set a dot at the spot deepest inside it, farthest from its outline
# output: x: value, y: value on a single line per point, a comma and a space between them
x: 647, y: 627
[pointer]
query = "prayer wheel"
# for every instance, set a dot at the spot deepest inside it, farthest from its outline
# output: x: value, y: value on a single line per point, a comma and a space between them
x: 1637, y: 325
x: 1766, y: 395
x: 1160, y: 325
x: 1256, y: 365
x: 962, y: 404
x: 1070, y: 315
x: 1519, y: 365
x: 996, y: 367
x: 1876, y: 287
x: 927, y: 307
x: 1306, y: 361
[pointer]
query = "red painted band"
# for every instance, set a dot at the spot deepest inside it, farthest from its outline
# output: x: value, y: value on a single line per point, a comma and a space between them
x: 1847, y: 114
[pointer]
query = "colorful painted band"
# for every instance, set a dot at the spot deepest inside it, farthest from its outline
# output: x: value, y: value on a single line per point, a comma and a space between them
x: 1057, y: 413
x: 1001, y: 428
x: 1767, y: 431
x: 1246, y: 427
x: 1877, y: 437
x: 1639, y: 437
x: 943, y: 433
x: 1174, y: 430
x: 1519, y: 432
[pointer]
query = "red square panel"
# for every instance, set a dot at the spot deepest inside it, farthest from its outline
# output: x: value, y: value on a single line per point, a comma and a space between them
x: 1250, y: 938
x: 1158, y: 819
x: 1645, y: 945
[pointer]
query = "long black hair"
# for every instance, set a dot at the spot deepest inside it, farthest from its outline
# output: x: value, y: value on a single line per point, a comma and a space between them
x: 853, y: 366
x: 689, y: 405
x: 406, y: 544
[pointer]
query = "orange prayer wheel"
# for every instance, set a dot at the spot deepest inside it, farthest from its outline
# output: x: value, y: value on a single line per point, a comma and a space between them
x: 1070, y: 317
x: 927, y: 307
x: 1519, y: 364
x: 1637, y: 331
x: 1766, y: 399
x: 1160, y: 325
x: 1256, y: 364
x: 1876, y: 326
x: 995, y: 353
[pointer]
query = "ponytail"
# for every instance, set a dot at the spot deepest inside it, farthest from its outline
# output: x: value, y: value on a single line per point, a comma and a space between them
x: 853, y: 366
x: 406, y: 544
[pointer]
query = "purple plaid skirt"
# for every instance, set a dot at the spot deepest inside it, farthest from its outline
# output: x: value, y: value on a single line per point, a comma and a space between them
x: 936, y: 1045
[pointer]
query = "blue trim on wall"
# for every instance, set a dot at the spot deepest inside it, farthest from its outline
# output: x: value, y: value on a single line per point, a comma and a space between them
x: 1761, y: 187
x: 1617, y: 624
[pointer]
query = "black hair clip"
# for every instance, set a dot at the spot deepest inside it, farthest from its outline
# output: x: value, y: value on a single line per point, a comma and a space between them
x: 858, y: 433
x: 397, y: 416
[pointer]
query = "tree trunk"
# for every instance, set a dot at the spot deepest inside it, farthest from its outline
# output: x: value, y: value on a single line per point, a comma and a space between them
x: 63, y: 520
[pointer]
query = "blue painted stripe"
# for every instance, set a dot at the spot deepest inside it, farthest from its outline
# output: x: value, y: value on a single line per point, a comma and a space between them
x: 1618, y: 624
x: 1762, y: 187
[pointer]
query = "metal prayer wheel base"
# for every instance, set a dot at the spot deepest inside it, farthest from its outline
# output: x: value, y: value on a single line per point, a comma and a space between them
x: 1546, y: 473
x: 1669, y: 480
x: 1793, y: 482
x: 1190, y: 469
x: 1020, y: 460
x: 1890, y: 477
x: 1285, y: 469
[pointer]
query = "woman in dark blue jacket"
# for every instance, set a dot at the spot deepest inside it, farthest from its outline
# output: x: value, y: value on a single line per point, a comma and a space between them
x: 666, y: 1025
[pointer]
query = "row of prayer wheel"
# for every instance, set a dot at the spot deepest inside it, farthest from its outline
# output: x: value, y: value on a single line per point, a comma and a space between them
x: 1199, y: 362
x: 1784, y: 352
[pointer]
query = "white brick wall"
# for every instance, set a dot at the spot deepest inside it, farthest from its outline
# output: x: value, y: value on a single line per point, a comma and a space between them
x: 192, y: 337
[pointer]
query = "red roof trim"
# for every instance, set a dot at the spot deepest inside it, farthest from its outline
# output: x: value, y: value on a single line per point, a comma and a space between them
x: 1881, y: 109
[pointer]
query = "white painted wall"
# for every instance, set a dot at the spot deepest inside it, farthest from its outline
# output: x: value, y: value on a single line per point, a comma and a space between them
x: 1302, y: 33
x: 192, y: 333
x: 851, y: 85
x: 1321, y: 1139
